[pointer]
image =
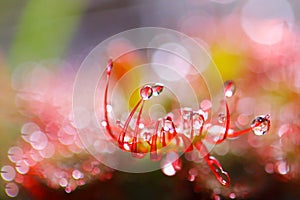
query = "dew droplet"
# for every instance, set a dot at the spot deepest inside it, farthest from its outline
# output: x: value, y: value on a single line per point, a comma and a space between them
x: 76, y: 174
x: 168, y: 169
x: 282, y: 167
x: 38, y: 140
x: 192, y: 174
x: 68, y: 189
x: 63, y: 182
x: 11, y: 189
x: 168, y: 125
x: 109, y: 108
x: 104, y: 123
x: 191, y: 178
x: 146, y: 92
x: 28, y: 129
x: 157, y: 89
x: 221, y: 175
x: 15, y: 154
x: 22, y: 167
x: 269, y: 168
x: 261, y: 125
x: 198, y: 120
x: 229, y: 88
x: 109, y: 67
x: 141, y: 125
x: 8, y: 173
x: 221, y: 118
x: 232, y: 195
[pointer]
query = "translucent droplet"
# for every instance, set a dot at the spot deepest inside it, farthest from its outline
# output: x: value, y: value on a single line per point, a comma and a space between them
x: 232, y: 195
x: 197, y: 121
x: 192, y: 174
x: 109, y: 108
x: 221, y: 118
x: 22, y: 167
x: 68, y: 189
x: 229, y: 88
x: 157, y: 89
x: 269, y: 168
x: 15, y: 154
x: 76, y: 174
x: 261, y: 125
x: 168, y: 125
x: 141, y: 125
x: 282, y: 167
x: 146, y: 92
x: 104, y: 123
x: 8, y: 173
x: 109, y: 67
x: 63, y: 182
x: 38, y: 140
x: 11, y: 189
x: 168, y: 169
x: 28, y: 129
x: 191, y: 178
x: 221, y: 175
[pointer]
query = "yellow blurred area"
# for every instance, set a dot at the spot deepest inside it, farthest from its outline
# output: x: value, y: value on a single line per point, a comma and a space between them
x: 230, y: 65
x: 134, y: 98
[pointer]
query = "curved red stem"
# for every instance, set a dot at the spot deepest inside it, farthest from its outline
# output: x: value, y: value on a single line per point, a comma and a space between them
x: 136, y: 130
x: 108, y: 128
x: 227, y: 126
x: 124, y: 129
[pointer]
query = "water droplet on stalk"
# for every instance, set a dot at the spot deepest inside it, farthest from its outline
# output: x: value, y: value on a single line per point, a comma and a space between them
x: 261, y: 125
x: 146, y: 92
x: 198, y: 121
x: 221, y: 118
x: 168, y: 125
x: 221, y: 175
x: 229, y: 88
x: 109, y: 67
x: 157, y: 89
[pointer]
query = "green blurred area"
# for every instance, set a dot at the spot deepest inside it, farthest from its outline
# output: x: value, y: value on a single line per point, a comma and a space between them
x: 45, y: 30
